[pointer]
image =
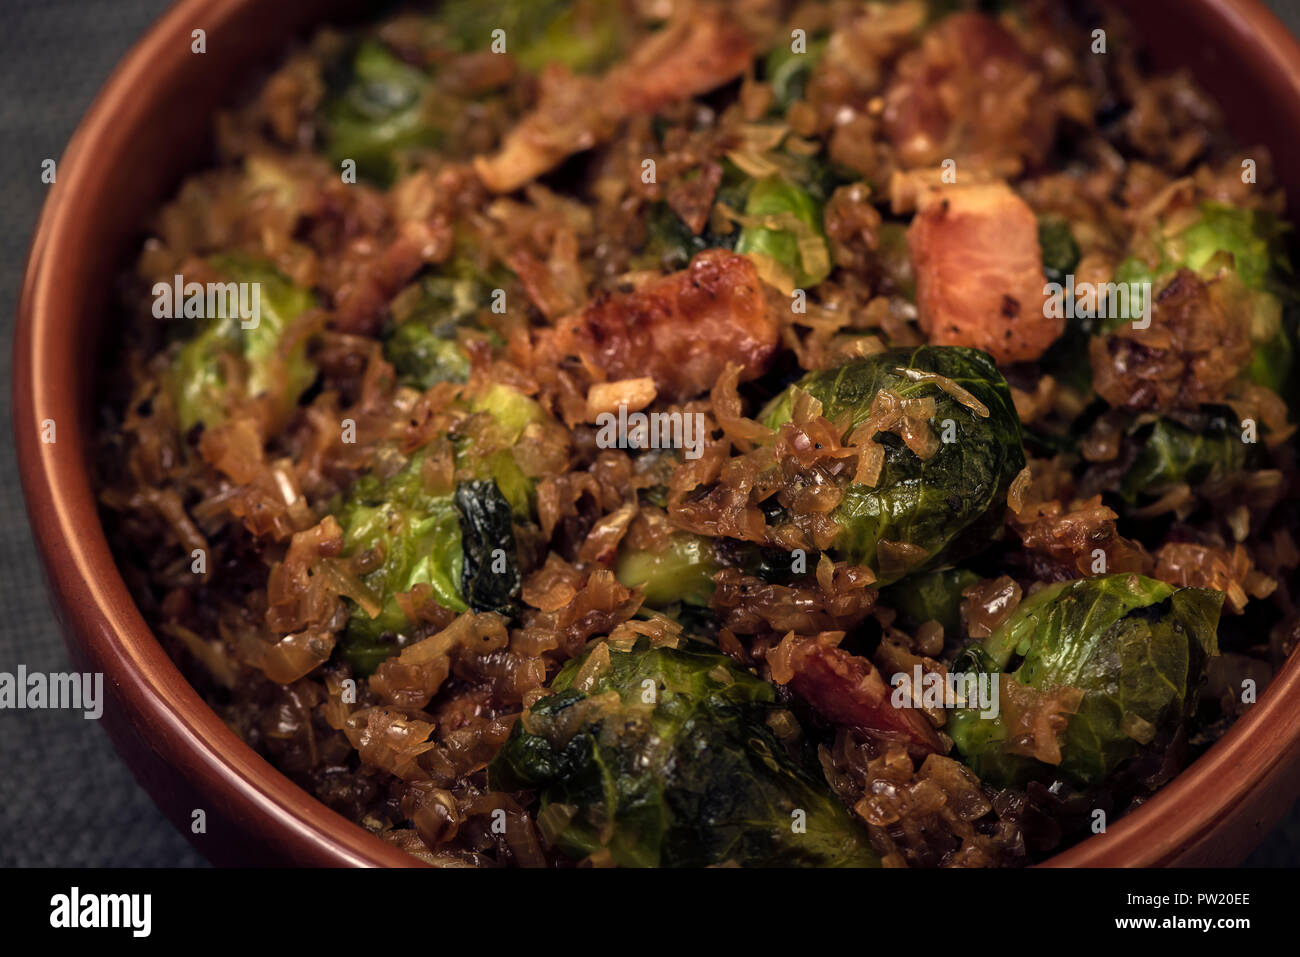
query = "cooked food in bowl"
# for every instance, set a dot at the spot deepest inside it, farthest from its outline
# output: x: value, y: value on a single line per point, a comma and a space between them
x: 703, y: 433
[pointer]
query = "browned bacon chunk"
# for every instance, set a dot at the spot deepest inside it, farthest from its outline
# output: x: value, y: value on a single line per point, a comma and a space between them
x: 979, y: 272
x: 682, y: 329
x: 849, y: 691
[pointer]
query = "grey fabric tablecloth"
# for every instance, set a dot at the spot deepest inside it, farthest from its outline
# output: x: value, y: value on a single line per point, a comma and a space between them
x: 65, y: 797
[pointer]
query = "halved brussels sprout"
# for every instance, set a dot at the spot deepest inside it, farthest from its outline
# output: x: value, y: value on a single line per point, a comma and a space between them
x: 459, y: 543
x: 1172, y: 453
x: 379, y: 109
x: 682, y: 572
x: 784, y: 223
x: 418, y: 539
x: 1250, y: 241
x: 939, y: 506
x: 199, y: 384
x: 1137, y: 650
x: 666, y: 757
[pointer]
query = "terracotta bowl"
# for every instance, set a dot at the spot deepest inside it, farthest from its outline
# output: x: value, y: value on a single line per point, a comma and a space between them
x: 148, y: 128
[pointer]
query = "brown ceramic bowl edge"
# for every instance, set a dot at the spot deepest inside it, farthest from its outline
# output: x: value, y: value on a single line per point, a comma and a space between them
x: 152, y: 714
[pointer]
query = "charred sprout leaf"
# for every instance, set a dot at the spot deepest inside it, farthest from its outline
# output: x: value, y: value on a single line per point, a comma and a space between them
x: 784, y: 222
x: 1172, y: 454
x: 490, y: 578
x: 941, y: 504
x: 379, y: 109
x: 664, y: 757
x: 1137, y: 649
x: 272, y: 366
x: 931, y: 596
x: 1060, y: 251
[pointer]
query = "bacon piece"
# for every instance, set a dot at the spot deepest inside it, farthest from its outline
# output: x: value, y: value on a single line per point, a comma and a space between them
x: 979, y: 272
x: 970, y: 92
x: 682, y: 329
x: 848, y: 691
x: 694, y: 54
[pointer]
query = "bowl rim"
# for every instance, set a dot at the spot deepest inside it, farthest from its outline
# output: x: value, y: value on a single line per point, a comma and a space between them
x: 101, y: 620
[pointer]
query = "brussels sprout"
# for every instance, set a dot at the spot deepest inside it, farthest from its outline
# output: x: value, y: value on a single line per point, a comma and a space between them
x: 682, y: 572
x: 940, y: 505
x: 422, y: 358
x: 1060, y: 251
x: 1172, y: 453
x: 461, y: 544
x: 379, y: 109
x: 1253, y: 240
x: 199, y: 385
x: 931, y: 596
x: 784, y: 223
x: 422, y: 345
x: 418, y: 536
x: 1135, y: 647
x: 1249, y: 235
x: 787, y: 72
x: 665, y: 757
x: 584, y: 35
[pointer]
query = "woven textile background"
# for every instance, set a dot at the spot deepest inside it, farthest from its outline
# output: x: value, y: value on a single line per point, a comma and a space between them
x: 65, y: 797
